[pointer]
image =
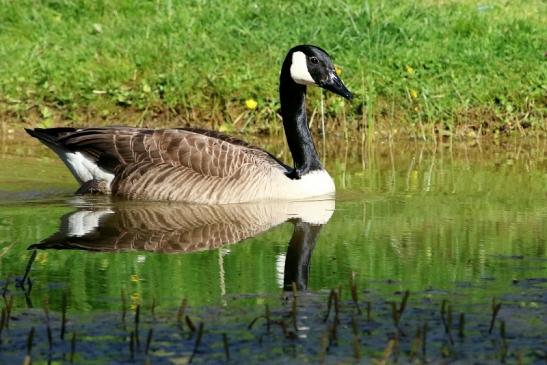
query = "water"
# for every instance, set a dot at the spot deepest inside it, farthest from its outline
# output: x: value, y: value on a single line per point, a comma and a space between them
x: 463, y: 221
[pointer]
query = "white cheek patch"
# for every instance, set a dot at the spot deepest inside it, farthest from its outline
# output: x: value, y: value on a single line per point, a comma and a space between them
x: 299, y: 69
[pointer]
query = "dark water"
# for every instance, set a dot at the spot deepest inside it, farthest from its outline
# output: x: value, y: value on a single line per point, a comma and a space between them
x: 466, y: 222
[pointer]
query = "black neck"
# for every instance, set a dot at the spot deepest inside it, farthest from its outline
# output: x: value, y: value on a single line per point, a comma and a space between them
x: 295, y: 122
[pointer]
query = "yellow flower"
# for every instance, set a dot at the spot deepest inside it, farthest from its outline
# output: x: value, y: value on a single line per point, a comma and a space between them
x: 413, y: 93
x: 409, y: 70
x: 135, y: 278
x: 338, y: 70
x: 251, y: 104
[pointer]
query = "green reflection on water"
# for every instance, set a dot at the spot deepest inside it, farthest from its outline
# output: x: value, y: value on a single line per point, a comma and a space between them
x: 407, y: 217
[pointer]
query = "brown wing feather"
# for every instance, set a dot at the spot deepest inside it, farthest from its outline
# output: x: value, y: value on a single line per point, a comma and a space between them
x: 175, y: 164
x: 206, y: 152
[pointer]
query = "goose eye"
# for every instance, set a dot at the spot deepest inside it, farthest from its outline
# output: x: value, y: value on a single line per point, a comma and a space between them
x: 314, y: 60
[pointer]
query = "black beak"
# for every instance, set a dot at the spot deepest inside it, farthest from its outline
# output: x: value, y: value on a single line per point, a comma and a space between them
x: 334, y: 84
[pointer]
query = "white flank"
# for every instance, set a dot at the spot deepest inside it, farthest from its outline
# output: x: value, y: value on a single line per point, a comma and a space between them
x: 83, y: 168
x: 85, y: 221
x: 299, y: 69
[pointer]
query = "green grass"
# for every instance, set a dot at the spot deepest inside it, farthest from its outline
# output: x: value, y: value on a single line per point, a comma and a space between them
x: 446, y: 64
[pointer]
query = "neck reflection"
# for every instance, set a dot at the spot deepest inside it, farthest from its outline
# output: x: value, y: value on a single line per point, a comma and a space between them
x: 299, y: 251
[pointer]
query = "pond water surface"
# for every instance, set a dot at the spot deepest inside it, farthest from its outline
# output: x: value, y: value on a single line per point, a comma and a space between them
x: 467, y: 220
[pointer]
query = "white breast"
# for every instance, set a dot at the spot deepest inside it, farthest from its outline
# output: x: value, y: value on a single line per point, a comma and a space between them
x: 313, y: 184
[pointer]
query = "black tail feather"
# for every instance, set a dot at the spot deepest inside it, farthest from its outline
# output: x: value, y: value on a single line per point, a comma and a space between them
x: 49, y: 135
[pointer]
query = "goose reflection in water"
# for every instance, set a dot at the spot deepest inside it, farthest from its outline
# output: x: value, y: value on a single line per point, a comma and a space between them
x: 176, y: 228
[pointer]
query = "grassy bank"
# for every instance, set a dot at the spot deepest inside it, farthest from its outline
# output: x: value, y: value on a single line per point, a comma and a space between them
x: 450, y: 65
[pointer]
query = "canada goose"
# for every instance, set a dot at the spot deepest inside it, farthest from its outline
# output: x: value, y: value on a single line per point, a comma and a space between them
x: 200, y: 166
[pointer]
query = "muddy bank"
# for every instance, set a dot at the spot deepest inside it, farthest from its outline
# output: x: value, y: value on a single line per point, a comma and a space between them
x: 465, y: 124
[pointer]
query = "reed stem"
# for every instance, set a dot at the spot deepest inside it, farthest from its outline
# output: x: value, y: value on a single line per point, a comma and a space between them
x: 226, y: 346
x: 148, y: 340
x: 72, y: 347
x: 63, y: 315
x: 197, y: 343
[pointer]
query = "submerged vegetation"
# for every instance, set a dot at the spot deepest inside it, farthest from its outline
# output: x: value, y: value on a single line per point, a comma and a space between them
x: 434, y: 67
x: 294, y: 327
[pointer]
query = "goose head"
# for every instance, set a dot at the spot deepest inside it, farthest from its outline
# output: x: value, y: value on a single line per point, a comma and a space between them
x: 310, y: 65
